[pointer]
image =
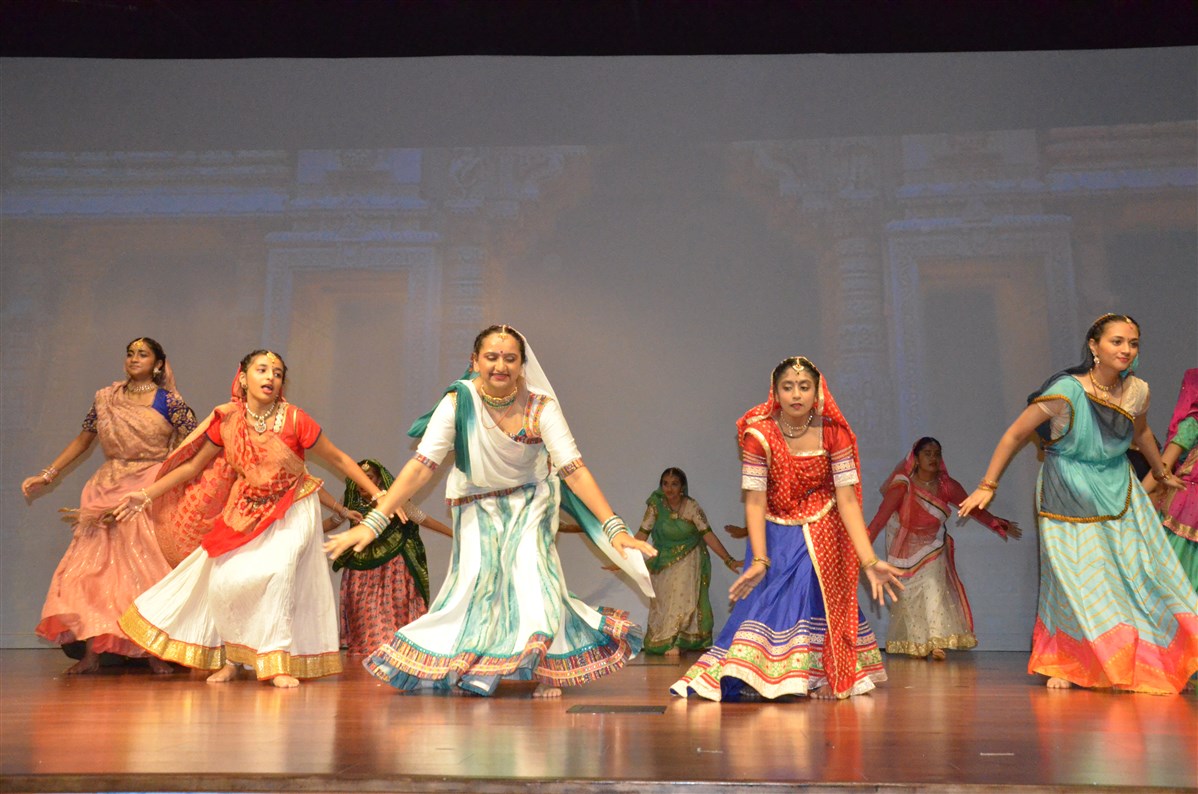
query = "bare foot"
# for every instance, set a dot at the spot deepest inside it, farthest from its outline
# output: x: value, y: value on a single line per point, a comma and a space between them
x: 90, y: 663
x: 224, y: 675
x: 285, y: 681
x: 160, y: 666
x: 1058, y: 683
x: 673, y: 653
x: 938, y: 655
x: 823, y: 693
x: 545, y: 691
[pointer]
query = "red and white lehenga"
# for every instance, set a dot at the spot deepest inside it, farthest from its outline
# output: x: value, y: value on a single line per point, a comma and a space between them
x: 933, y: 612
x: 257, y: 590
x: 109, y: 563
x: 800, y: 628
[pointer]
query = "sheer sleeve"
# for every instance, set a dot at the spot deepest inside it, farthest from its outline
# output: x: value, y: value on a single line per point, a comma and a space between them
x: 439, y: 435
x: 556, y: 435
x: 754, y: 465
x: 956, y: 494
x: 891, y: 502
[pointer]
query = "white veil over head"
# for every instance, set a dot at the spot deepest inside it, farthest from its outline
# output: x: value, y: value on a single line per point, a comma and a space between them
x: 534, y: 376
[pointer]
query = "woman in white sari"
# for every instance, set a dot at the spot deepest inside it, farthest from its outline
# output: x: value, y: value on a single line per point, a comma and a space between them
x: 504, y: 610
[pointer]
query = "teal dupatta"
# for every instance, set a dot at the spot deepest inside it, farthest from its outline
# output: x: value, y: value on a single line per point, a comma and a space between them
x: 463, y: 423
x: 1086, y: 476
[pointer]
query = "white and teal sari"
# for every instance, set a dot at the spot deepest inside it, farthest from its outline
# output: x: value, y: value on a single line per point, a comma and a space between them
x: 504, y: 610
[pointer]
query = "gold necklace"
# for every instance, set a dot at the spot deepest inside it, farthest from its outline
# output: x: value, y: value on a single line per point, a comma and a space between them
x: 510, y: 403
x: 674, y: 511
x: 141, y: 388
x: 261, y: 419
x: 1106, y: 390
x: 498, y: 402
x: 789, y: 430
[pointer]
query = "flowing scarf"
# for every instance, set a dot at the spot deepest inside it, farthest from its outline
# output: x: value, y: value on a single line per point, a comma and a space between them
x: 247, y: 486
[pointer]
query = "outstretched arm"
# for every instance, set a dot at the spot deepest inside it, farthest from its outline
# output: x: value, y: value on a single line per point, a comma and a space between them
x: 436, y: 526
x: 412, y: 477
x: 341, y: 463
x: 1000, y: 526
x: 1012, y: 440
x: 890, y: 503
x: 133, y: 503
x: 77, y: 446
x: 583, y: 484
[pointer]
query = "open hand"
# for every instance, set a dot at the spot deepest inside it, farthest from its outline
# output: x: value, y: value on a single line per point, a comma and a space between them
x: 130, y: 505
x: 975, y: 501
x: 624, y: 540
x: 747, y: 582
x: 883, y: 578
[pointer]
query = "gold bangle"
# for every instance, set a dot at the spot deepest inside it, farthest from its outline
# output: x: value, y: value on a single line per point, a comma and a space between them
x: 763, y: 560
x: 988, y: 485
x: 869, y: 563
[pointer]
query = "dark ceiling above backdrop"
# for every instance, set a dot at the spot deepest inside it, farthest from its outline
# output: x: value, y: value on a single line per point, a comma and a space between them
x: 408, y: 28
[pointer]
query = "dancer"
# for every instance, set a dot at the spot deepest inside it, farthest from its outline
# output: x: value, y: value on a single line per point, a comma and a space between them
x: 504, y: 610
x: 933, y: 614
x: 1179, y: 508
x: 385, y: 586
x: 257, y: 590
x: 796, y: 628
x: 680, y: 616
x: 1115, y: 609
x: 107, y: 565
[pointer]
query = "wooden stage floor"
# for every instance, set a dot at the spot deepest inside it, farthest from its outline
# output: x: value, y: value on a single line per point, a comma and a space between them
x: 976, y: 722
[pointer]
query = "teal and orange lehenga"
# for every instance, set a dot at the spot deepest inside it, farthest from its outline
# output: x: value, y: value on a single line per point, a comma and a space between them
x: 1115, y: 609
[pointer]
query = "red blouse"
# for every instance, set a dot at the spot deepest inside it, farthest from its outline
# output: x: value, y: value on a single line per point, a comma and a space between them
x: 800, y: 488
x: 270, y: 473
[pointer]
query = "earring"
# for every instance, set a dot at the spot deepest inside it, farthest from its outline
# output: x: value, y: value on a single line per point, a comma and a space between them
x: 1095, y: 359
